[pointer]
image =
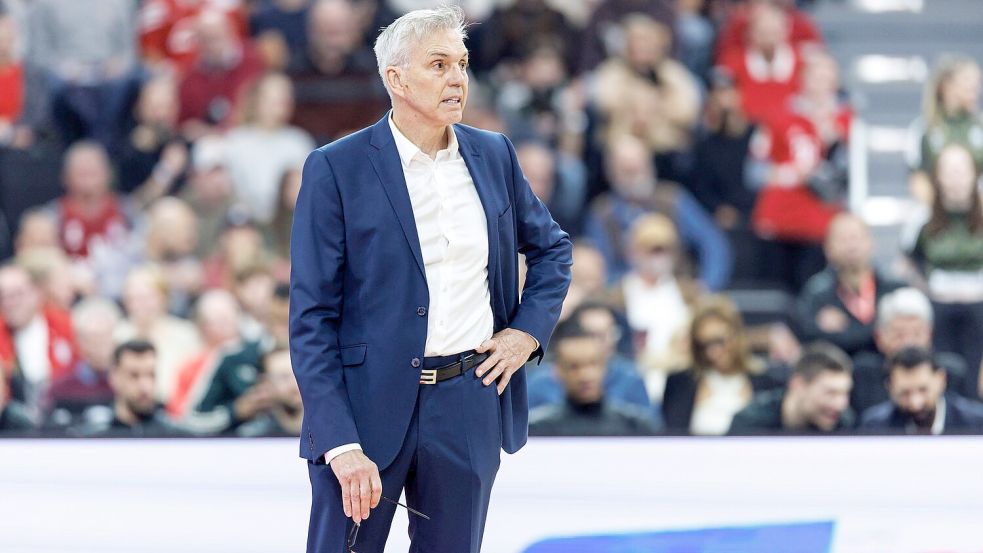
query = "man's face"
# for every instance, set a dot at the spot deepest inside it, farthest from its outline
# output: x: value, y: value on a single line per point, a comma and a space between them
x: 95, y: 340
x: 20, y: 299
x: 848, y: 244
x: 916, y: 391
x: 280, y: 374
x: 580, y: 368
x: 538, y: 166
x: 133, y: 381
x: 87, y: 174
x: 434, y: 84
x: 824, y: 399
x: 601, y: 324
x: 903, y: 331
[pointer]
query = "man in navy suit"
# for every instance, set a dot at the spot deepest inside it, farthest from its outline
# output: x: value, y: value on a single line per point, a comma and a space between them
x: 407, y: 336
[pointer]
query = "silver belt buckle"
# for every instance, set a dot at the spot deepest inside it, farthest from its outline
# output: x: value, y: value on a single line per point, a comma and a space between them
x: 428, y: 376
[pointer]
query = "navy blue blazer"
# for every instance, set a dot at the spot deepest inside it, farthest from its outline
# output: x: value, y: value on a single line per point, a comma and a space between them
x: 357, y: 286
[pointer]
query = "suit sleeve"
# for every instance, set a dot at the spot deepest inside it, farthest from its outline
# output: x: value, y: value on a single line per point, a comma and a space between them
x: 317, y: 253
x: 548, y: 254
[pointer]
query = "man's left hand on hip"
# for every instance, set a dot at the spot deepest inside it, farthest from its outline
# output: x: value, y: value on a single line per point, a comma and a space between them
x: 508, y: 350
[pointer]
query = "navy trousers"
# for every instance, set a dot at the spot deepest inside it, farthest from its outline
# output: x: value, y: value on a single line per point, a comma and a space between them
x: 447, y: 464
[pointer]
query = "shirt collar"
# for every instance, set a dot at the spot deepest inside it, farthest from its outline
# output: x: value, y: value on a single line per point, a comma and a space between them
x: 408, y: 150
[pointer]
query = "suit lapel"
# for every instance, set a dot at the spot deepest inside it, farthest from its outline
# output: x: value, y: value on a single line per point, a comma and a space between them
x: 483, y: 184
x: 385, y: 161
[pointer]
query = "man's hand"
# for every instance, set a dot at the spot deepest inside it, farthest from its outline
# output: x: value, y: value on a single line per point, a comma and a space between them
x: 510, y: 349
x: 361, y: 486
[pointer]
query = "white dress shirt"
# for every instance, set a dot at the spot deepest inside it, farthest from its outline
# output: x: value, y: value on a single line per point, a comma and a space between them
x: 453, y: 233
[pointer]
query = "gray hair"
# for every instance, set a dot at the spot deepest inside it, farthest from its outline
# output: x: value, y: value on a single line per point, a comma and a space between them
x: 904, y: 302
x: 89, y: 310
x: 392, y: 46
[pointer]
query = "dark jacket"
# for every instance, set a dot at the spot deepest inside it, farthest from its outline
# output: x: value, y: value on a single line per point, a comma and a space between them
x: 962, y: 416
x: 869, y: 375
x: 764, y: 416
x: 155, y: 425
x: 14, y: 419
x: 680, y: 396
x: 606, y: 418
x: 821, y: 291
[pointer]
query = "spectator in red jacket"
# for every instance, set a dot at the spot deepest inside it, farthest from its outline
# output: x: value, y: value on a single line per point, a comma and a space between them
x: 37, y: 344
x: 802, y: 30
x: 767, y: 69
x: 167, y: 28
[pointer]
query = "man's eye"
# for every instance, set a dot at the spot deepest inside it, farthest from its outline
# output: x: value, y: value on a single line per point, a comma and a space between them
x: 439, y: 65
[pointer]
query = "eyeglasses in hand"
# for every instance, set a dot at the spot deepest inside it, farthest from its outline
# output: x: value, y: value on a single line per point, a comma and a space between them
x: 353, y: 534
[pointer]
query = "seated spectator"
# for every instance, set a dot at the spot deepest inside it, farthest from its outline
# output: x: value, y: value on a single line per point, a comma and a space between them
x: 93, y: 68
x: 948, y: 254
x: 538, y: 102
x: 767, y: 67
x: 655, y: 294
x: 240, y: 246
x: 24, y: 102
x: 281, y: 25
x: 608, y: 15
x: 904, y: 319
x: 287, y: 412
x: 135, y: 411
x: 70, y: 398
x: 721, y: 178
x: 145, y: 299
x: 15, y: 419
x: 278, y: 318
x: 94, y: 222
x: 821, y: 103
x: 644, y: 92
x: 636, y: 190
x: 557, y: 180
x: 37, y: 342
x: 622, y: 382
x: 587, y: 411
x: 338, y: 89
x: 216, y: 315
x: 215, y: 389
x: 950, y: 113
x: 153, y: 157
x: 723, y: 377
x: 816, y: 400
x: 224, y: 66
x: 840, y: 303
x: 170, y: 242
x: 167, y: 30
x: 209, y: 191
x: 802, y: 30
x: 265, y: 145
x: 919, y: 404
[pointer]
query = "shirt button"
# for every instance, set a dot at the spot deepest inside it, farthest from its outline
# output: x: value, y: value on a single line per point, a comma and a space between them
x: 415, y: 362
x: 421, y: 311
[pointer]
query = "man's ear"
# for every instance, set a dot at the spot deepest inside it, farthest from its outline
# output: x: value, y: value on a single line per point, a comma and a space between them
x: 394, y: 78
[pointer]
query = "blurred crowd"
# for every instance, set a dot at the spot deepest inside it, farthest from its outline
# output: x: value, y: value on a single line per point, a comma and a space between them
x: 695, y: 150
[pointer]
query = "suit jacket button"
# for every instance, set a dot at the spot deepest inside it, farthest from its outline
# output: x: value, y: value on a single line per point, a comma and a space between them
x: 415, y: 362
x: 421, y: 311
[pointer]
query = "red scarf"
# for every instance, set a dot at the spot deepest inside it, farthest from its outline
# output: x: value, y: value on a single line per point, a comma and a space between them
x: 78, y: 229
x: 62, y: 350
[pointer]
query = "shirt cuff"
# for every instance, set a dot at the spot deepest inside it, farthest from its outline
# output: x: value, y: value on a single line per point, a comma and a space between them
x: 334, y: 452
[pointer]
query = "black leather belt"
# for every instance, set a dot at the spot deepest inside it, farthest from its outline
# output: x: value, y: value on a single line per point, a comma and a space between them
x: 457, y: 368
